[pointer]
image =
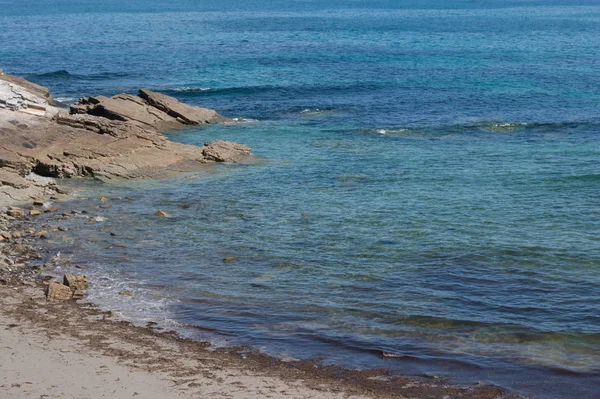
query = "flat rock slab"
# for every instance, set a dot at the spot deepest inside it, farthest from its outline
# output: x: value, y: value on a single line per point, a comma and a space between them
x: 126, y: 107
x: 185, y: 113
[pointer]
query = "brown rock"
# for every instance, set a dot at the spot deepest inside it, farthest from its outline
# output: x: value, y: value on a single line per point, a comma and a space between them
x: 185, y: 113
x: 162, y: 214
x: 35, y: 212
x: 75, y: 282
x: 30, y: 230
x: 125, y: 293
x: 49, y: 210
x: 41, y: 234
x: 58, y: 292
x: 225, y: 151
x: 16, y: 234
x: 78, y: 294
x: 6, y: 235
x: 125, y: 107
x: 228, y: 259
x: 104, y: 199
x: 38, y: 202
x: 15, y: 212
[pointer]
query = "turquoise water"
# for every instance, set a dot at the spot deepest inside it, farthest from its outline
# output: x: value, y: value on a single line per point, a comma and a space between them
x: 426, y: 192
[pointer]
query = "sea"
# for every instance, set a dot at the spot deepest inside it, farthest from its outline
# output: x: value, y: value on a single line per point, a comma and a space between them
x: 424, y: 194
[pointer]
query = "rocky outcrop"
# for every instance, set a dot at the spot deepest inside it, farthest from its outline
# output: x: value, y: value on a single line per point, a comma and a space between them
x: 18, y: 94
x: 104, y: 138
x: 148, y: 108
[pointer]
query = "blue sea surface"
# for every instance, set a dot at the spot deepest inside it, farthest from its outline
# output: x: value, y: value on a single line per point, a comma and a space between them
x: 425, y: 195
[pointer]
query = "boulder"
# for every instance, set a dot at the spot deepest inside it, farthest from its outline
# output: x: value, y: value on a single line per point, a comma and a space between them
x: 185, y: 113
x: 58, y: 292
x: 225, y: 151
x: 75, y: 282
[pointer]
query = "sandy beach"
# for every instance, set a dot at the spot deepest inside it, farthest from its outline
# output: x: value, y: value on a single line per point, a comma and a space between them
x: 58, y: 350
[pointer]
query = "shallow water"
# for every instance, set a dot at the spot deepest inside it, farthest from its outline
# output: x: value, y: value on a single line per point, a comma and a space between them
x: 425, y: 195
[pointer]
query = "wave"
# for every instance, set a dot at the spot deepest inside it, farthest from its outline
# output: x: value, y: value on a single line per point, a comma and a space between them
x: 274, y: 89
x: 63, y: 74
x: 486, y: 127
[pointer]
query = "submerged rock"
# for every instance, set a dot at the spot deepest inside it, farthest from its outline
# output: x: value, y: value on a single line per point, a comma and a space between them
x: 162, y: 214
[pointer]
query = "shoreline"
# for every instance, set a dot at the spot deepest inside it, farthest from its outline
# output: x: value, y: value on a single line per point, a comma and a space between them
x: 27, y: 311
x: 154, y: 354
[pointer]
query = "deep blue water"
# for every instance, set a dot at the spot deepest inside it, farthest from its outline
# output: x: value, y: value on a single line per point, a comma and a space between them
x: 426, y: 195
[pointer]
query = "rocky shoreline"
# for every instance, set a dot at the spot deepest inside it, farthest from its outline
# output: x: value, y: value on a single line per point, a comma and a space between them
x: 121, y: 137
x: 99, y: 137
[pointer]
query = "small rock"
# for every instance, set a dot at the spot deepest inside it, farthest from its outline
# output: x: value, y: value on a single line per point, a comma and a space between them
x: 228, y: 259
x: 38, y: 202
x: 58, y: 291
x: 114, y: 234
x: 162, y: 214
x: 125, y: 293
x: 16, y: 234
x: 77, y: 282
x: 35, y: 212
x: 15, y: 212
x: 30, y: 230
x: 78, y: 294
x: 49, y: 210
x: 41, y: 234
x: 104, y: 199
x: 6, y: 235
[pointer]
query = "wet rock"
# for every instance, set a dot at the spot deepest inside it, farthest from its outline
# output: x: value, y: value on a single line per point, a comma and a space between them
x: 162, y: 214
x: 41, y: 234
x: 15, y: 212
x: 228, y: 259
x: 30, y: 230
x: 104, y: 199
x: 78, y: 294
x: 50, y: 210
x: 38, y: 202
x: 35, y: 212
x: 125, y: 293
x: 58, y: 292
x: 75, y: 281
x: 225, y: 151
